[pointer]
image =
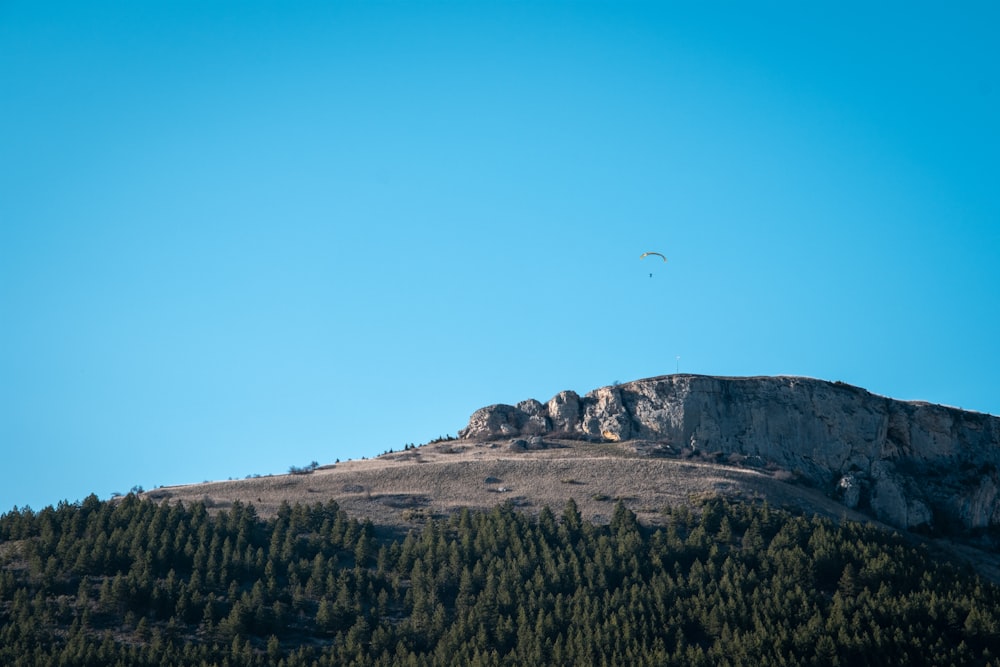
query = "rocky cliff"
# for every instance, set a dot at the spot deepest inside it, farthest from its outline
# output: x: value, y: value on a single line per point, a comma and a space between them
x: 910, y: 464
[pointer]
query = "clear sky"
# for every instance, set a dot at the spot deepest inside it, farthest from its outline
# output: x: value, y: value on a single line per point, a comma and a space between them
x: 241, y: 236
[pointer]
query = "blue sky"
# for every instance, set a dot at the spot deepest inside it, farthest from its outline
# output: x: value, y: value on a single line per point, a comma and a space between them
x: 241, y: 236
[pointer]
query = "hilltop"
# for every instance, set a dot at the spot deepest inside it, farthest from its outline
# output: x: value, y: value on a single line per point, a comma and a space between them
x: 820, y: 447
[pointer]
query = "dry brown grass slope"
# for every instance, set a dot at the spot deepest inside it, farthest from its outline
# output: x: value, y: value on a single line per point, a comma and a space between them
x: 402, y: 489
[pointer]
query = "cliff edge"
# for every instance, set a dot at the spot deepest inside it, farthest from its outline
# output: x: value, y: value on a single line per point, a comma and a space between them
x: 911, y: 464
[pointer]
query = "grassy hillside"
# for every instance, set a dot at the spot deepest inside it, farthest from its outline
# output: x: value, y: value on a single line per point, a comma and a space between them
x: 435, y: 480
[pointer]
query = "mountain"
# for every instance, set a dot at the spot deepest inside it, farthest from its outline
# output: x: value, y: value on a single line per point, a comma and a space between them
x: 821, y: 447
x: 672, y: 520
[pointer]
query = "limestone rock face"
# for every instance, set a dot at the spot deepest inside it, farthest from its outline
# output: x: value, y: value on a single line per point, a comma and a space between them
x: 492, y: 421
x: 604, y: 414
x: 564, y: 412
x: 534, y: 420
x: 908, y: 463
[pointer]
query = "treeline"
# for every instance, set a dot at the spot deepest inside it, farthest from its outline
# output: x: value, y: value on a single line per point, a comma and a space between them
x: 134, y: 583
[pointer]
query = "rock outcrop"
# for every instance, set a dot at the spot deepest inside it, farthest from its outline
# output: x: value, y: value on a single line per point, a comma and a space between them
x: 910, y: 464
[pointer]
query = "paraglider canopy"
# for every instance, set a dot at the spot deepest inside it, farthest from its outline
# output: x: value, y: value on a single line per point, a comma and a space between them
x: 647, y: 254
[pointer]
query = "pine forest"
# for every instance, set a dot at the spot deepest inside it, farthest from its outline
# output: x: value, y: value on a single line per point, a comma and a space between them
x: 130, y: 582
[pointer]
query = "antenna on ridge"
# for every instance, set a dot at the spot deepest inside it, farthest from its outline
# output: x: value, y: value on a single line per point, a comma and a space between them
x: 678, y: 364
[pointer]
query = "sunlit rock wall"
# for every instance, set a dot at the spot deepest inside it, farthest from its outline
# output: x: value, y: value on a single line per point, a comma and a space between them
x: 908, y: 463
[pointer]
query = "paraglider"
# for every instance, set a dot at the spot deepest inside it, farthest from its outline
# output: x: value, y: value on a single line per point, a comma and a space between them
x: 647, y: 254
